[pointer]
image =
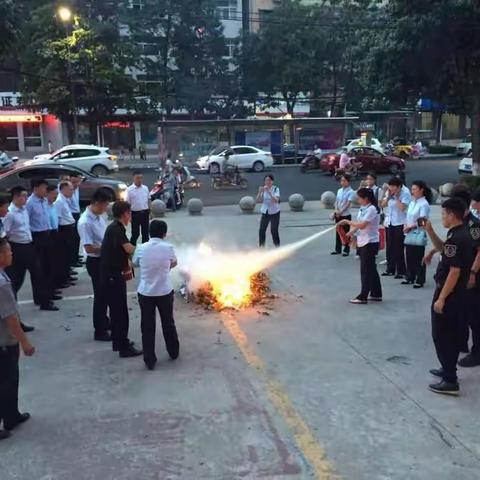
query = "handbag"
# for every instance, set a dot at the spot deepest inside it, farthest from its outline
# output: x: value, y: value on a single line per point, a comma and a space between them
x: 416, y: 238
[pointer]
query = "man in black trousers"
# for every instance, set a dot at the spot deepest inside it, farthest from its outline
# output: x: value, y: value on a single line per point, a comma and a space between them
x: 156, y: 258
x: 115, y: 271
x: 91, y: 228
x: 139, y: 198
x: 11, y: 335
x: 39, y: 218
x: 451, y: 280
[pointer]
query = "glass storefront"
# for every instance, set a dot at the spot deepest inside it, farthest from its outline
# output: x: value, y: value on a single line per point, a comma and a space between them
x: 9, y: 137
x: 32, y: 135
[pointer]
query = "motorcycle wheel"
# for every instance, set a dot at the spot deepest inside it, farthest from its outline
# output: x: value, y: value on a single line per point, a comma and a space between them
x: 303, y: 168
x: 243, y: 184
x: 217, y: 184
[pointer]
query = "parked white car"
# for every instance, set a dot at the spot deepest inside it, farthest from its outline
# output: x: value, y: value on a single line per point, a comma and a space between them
x: 242, y: 156
x: 464, y: 148
x: 96, y: 160
x: 466, y: 164
x: 358, y: 142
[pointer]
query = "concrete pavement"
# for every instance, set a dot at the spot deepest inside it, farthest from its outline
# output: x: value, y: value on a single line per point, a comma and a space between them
x: 311, y: 387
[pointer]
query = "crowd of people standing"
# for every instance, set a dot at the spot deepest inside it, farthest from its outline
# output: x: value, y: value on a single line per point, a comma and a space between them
x: 42, y: 233
x: 405, y: 215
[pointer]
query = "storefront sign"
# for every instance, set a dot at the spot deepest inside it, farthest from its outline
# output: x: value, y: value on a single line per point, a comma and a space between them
x: 22, y: 118
x: 10, y: 99
x: 117, y: 125
x: 364, y: 126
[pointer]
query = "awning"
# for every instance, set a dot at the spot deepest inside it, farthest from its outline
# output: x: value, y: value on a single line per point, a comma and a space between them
x: 14, y: 116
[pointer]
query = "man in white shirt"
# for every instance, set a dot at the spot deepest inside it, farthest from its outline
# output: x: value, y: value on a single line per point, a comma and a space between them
x: 155, y: 291
x: 138, y: 197
x: 66, y: 232
x: 91, y: 228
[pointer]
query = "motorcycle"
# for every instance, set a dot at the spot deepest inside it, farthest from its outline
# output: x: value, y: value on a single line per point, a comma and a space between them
x: 189, y: 180
x: 161, y: 191
x: 230, y: 179
x: 311, y: 161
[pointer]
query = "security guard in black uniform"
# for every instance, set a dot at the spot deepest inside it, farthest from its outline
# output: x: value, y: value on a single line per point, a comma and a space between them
x: 447, y: 306
x: 472, y: 299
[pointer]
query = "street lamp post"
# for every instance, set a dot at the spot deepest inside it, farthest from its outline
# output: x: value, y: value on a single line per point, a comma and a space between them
x: 65, y: 15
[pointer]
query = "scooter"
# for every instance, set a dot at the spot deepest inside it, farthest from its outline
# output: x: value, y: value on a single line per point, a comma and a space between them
x: 311, y: 161
x: 230, y: 179
x: 160, y: 191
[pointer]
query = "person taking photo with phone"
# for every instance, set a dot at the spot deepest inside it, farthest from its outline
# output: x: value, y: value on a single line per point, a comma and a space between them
x: 415, y: 237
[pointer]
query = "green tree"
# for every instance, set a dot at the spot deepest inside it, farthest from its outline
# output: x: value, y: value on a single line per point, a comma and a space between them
x: 89, y: 58
x: 431, y: 49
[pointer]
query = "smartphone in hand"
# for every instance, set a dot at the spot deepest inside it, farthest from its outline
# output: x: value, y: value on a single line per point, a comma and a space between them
x: 422, y: 221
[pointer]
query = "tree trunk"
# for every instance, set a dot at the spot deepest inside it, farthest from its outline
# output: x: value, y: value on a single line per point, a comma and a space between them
x: 438, y: 126
x: 476, y: 134
x: 333, y: 104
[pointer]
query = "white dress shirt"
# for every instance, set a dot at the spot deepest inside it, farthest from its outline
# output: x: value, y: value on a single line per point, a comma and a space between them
x: 74, y: 201
x: 17, y: 225
x: 394, y: 216
x: 369, y: 234
x: 344, y: 197
x: 418, y: 208
x: 64, y: 212
x: 154, y: 259
x: 268, y: 205
x: 138, y: 197
x: 91, y: 229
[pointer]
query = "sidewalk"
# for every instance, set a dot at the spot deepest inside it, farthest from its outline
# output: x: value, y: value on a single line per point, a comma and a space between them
x: 255, y: 394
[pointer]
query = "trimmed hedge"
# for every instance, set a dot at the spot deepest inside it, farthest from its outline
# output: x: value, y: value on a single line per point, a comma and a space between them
x: 442, y: 149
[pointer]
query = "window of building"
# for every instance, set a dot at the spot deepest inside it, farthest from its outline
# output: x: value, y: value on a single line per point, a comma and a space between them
x: 32, y: 135
x: 9, y: 137
x: 229, y: 49
x: 264, y: 16
x: 227, y: 9
x: 137, y: 4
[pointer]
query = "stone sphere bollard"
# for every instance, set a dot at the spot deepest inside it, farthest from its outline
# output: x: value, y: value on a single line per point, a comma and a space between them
x: 296, y: 202
x: 247, y: 204
x: 446, y: 189
x: 328, y: 199
x: 158, y: 208
x: 435, y: 196
x: 195, y: 206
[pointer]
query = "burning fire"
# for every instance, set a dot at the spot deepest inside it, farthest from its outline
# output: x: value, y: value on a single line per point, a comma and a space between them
x: 219, y: 279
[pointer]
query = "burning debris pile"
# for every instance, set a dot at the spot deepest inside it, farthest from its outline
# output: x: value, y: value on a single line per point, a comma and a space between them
x: 240, y: 294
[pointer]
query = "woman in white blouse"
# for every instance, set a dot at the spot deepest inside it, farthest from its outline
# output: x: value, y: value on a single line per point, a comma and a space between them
x: 365, y: 230
x: 269, y: 196
x: 415, y: 237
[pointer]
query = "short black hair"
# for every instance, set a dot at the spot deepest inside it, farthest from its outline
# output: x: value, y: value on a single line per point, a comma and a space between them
x: 17, y: 190
x: 476, y: 195
x: 38, y: 182
x: 75, y: 174
x: 63, y: 184
x: 137, y: 172
x: 347, y: 177
x: 119, y: 208
x: 101, y: 195
x: 4, y: 200
x: 51, y: 188
x: 455, y: 206
x: 395, y: 182
x: 158, y: 229
x: 372, y: 174
x: 270, y: 176
x: 462, y: 192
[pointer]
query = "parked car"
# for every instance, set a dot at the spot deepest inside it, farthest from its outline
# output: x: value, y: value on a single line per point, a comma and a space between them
x: 241, y: 156
x: 358, y: 142
x: 464, y: 148
x: 466, y: 164
x: 23, y: 175
x: 372, y: 160
x: 96, y: 160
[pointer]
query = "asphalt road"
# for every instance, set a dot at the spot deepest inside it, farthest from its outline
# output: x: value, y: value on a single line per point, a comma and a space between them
x: 311, y: 185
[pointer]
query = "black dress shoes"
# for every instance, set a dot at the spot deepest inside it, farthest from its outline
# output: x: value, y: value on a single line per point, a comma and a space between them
x: 150, y: 365
x: 57, y: 297
x: 130, y: 352
x: 22, y: 418
x: 102, y: 337
x: 27, y: 328
x: 49, y: 307
x: 4, y: 434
